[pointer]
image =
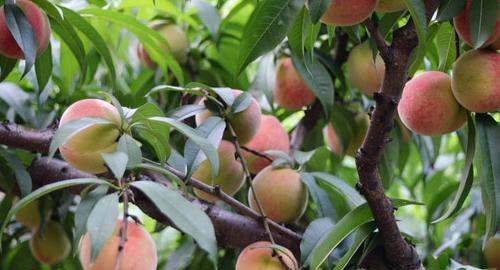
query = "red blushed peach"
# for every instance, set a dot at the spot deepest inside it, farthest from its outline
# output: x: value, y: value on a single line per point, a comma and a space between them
x: 390, y: 6
x: 428, y: 106
x: 139, y: 252
x: 348, y: 12
x: 83, y: 150
x: 291, y: 92
x: 245, y: 124
x: 364, y: 73
x: 475, y: 80
x: 281, y: 193
x: 259, y: 256
x: 461, y: 22
x: 271, y: 136
x: 51, y: 247
x: 231, y: 176
x: 39, y: 23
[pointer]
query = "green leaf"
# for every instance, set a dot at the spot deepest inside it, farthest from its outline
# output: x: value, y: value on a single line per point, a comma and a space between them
x: 6, y: 66
x: 313, y: 234
x: 360, y: 236
x: 186, y: 216
x: 23, y: 178
x: 117, y: 163
x: 351, y: 195
x: 208, y: 15
x: 417, y: 12
x: 317, y: 8
x: 324, y: 206
x: 266, y: 28
x: 467, y: 174
x: 488, y: 168
x: 131, y: 148
x: 241, y: 103
x: 445, y: 41
x: 482, y: 20
x: 448, y: 9
x: 186, y: 111
x: 102, y: 221
x: 298, y: 32
x: 43, y: 68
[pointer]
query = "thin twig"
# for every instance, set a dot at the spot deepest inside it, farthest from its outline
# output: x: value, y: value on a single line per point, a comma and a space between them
x: 124, y: 225
x: 382, y: 46
x: 257, y: 153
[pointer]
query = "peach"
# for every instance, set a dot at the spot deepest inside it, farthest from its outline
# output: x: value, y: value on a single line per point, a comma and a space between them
x: 362, y: 122
x: 492, y: 252
x: 475, y: 80
x: 348, y: 12
x: 83, y: 150
x: 245, y: 124
x: 231, y: 176
x: 428, y: 106
x: 51, y: 247
x: 291, y: 92
x: 261, y: 256
x: 29, y: 216
x: 364, y: 73
x: 177, y: 41
x: 386, y: 6
x: 282, y: 194
x: 271, y: 136
x: 462, y: 26
x: 139, y: 252
x: 39, y: 23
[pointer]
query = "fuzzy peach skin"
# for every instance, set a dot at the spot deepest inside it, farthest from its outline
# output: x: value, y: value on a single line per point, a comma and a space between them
x: 492, y: 252
x: 53, y: 246
x: 281, y: 193
x: 29, y: 216
x: 177, y: 40
x: 462, y: 26
x: 364, y: 73
x: 291, y: 91
x: 259, y: 256
x: 83, y: 150
x: 428, y: 106
x: 139, y: 252
x: 476, y: 80
x: 271, y: 136
x: 386, y: 6
x: 348, y: 12
x: 39, y: 23
x: 245, y: 124
x: 231, y: 176
x: 362, y: 122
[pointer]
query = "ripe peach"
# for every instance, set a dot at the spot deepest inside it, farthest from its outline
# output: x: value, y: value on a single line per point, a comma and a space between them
x: 259, y: 255
x: 348, y: 12
x: 39, y: 23
x: 462, y: 26
x: 475, y: 80
x: 492, y: 252
x: 281, y: 193
x: 53, y: 246
x: 364, y: 73
x: 291, y: 92
x: 176, y: 38
x: 29, y: 216
x: 428, y: 106
x: 83, y: 150
x: 245, y: 123
x: 231, y: 176
x: 362, y: 122
x: 139, y: 252
x: 271, y: 136
x: 386, y: 6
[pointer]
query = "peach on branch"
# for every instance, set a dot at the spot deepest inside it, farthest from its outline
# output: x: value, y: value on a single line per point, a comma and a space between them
x: 271, y: 136
x: 348, y: 12
x: 230, y: 178
x: 281, y: 193
x: 139, y: 252
x: 428, y: 106
x: 260, y: 255
x: 365, y: 73
x: 291, y: 91
x: 492, y: 252
x: 462, y: 26
x: 333, y: 140
x: 51, y: 245
x: 390, y: 5
x: 83, y: 150
x: 29, y: 216
x: 39, y: 23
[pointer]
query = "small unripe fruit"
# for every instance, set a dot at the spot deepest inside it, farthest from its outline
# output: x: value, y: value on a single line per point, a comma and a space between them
x: 177, y: 41
x: 139, y: 252
x: 475, y: 80
x: 492, y: 252
x: 291, y: 91
x: 428, y: 106
x: 386, y: 6
x: 259, y: 256
x: 348, y: 12
x: 29, y: 216
x: 334, y: 142
x: 39, y: 23
x: 271, y: 136
x: 365, y: 73
x: 462, y: 26
x: 51, y: 247
x: 231, y: 176
x: 83, y: 150
x: 245, y: 123
x: 281, y: 193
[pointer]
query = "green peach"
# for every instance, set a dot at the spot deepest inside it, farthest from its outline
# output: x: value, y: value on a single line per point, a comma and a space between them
x: 365, y: 73
x: 390, y: 6
x: 260, y: 256
x: 53, y: 246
